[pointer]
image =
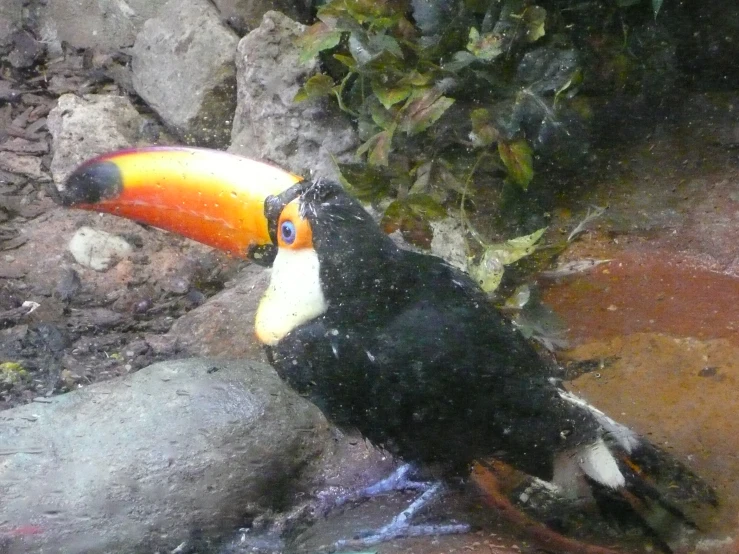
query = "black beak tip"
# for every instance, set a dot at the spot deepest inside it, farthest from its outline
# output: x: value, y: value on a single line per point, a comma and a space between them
x: 91, y: 183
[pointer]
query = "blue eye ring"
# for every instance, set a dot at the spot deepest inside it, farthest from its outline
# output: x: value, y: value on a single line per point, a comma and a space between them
x: 287, y: 232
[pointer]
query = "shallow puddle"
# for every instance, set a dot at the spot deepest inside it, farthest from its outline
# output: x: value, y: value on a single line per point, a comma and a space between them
x: 644, y: 289
x: 681, y: 393
x: 665, y: 329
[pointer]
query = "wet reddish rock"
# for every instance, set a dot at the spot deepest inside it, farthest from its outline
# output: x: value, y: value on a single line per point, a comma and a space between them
x: 646, y: 289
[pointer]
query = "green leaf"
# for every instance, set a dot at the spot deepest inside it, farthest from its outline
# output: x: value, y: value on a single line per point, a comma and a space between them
x: 484, y: 132
x: 519, y: 247
x: 656, y: 6
x: 381, y: 151
x: 386, y: 43
x: 378, y: 147
x: 383, y: 63
x: 535, y: 18
x: 381, y: 117
x: 417, y: 78
x: 518, y: 159
x: 331, y: 10
x: 485, y: 47
x: 368, y: 183
x: 436, y: 179
x: 423, y: 109
x: 488, y: 272
x: 348, y: 61
x: 317, y: 38
x: 519, y: 298
x: 459, y: 61
x: 395, y: 214
x: 415, y: 228
x: 378, y: 14
x: 358, y: 44
x: 316, y: 87
x: 426, y: 206
x: 571, y: 85
x: 390, y: 95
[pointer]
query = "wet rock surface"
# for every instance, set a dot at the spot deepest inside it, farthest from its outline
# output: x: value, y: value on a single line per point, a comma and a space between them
x: 176, y: 450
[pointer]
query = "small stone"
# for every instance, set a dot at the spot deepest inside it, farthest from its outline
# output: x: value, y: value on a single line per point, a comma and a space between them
x: 22, y: 165
x: 98, y: 250
x: 176, y: 284
x: 162, y: 344
x: 69, y: 284
x: 23, y: 146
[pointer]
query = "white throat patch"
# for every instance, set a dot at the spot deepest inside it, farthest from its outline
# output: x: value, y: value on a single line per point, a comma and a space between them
x: 294, y: 295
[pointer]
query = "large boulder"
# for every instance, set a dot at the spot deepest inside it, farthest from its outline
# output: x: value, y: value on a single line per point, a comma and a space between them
x: 183, y: 67
x: 85, y: 126
x: 143, y: 463
x: 107, y: 25
x: 301, y: 137
x: 223, y: 327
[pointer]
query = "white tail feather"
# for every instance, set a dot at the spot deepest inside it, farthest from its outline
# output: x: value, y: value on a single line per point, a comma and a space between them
x: 625, y: 437
x: 597, y: 462
x: 594, y: 460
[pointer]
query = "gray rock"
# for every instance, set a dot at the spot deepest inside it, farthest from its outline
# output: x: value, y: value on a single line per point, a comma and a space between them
x: 139, y: 463
x: 22, y: 165
x: 23, y: 146
x: 26, y: 50
x: 106, y: 25
x: 268, y: 125
x: 223, y: 327
x: 97, y: 249
x: 183, y: 67
x: 11, y: 20
x: 83, y: 127
x: 247, y: 14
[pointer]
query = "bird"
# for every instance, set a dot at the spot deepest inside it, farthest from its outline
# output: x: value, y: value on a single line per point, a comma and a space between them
x: 396, y: 344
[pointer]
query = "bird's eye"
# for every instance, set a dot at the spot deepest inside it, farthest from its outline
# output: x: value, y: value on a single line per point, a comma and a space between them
x: 287, y: 231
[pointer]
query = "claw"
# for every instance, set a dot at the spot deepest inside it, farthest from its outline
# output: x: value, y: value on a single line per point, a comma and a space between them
x: 400, y: 526
x: 398, y: 480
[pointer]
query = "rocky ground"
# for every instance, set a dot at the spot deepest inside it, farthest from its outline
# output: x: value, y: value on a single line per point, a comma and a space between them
x: 658, y: 317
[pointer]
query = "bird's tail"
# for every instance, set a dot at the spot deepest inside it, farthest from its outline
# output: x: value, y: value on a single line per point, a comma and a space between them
x: 633, y: 481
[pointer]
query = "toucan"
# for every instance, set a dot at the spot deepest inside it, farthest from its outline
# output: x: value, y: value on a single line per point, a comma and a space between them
x: 396, y: 344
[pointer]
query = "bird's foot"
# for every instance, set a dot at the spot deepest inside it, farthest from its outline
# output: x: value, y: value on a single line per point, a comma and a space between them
x: 400, y: 480
x: 400, y: 526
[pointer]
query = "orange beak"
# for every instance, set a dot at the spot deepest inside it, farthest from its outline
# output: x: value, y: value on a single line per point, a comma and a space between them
x: 206, y: 195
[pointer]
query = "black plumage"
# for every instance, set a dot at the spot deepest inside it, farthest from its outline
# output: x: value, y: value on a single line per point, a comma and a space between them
x: 412, y: 354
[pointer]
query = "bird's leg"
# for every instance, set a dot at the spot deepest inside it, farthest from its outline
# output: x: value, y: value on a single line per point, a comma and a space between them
x: 401, y: 527
x: 398, y: 480
x: 548, y: 539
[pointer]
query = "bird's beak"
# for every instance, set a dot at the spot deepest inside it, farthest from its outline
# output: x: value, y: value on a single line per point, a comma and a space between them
x: 206, y: 195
